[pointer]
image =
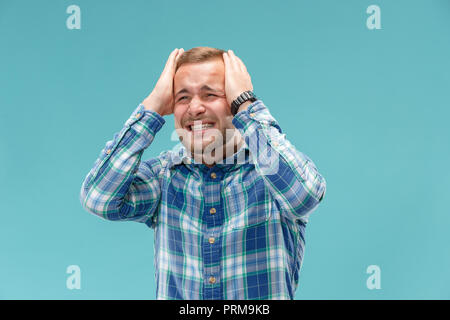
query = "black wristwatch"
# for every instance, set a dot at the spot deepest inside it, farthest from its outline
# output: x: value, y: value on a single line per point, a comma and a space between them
x: 244, y: 96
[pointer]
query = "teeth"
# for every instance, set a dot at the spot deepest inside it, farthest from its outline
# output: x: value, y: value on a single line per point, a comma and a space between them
x: 201, y: 127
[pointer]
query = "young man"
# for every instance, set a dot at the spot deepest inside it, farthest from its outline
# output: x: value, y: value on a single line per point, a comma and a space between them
x: 229, y: 209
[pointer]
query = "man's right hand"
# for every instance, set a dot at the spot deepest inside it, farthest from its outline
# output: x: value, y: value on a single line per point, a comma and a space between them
x: 161, y: 99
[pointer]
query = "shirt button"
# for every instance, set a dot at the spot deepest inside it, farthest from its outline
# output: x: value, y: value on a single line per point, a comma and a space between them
x: 108, y: 151
x: 213, y: 175
x: 138, y: 115
x: 212, y: 210
x: 211, y: 240
x: 275, y: 144
x: 252, y: 114
x: 212, y: 280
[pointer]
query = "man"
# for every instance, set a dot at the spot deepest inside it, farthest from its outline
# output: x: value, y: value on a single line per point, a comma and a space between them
x: 229, y: 220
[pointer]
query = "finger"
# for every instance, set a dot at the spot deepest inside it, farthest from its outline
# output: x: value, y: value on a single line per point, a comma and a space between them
x: 233, y: 60
x: 173, y: 63
x: 241, y: 64
x: 226, y: 60
x: 171, y: 58
x: 179, y: 54
x: 230, y: 66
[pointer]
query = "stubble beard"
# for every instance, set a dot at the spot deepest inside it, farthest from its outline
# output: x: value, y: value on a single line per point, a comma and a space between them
x: 223, y: 144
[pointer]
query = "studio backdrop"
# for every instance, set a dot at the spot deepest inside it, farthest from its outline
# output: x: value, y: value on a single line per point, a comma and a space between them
x: 362, y: 87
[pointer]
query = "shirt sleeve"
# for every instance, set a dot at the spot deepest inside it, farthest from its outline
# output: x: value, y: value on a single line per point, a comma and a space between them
x: 293, y: 178
x: 119, y: 186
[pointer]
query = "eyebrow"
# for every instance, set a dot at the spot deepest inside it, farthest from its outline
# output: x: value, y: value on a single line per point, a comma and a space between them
x: 204, y: 88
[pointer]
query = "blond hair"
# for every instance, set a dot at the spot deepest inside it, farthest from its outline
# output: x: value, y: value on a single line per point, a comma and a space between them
x: 199, y: 54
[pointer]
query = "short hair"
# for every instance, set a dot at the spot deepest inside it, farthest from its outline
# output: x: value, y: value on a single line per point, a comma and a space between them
x: 199, y: 54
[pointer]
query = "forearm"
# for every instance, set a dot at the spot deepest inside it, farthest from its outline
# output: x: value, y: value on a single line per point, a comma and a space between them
x: 108, y: 189
x: 292, y: 176
x: 152, y: 103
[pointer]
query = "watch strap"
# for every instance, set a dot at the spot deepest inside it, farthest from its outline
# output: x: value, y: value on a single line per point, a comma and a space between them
x: 243, y: 97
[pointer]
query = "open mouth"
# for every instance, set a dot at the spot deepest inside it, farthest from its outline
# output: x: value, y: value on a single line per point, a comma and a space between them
x: 199, y: 126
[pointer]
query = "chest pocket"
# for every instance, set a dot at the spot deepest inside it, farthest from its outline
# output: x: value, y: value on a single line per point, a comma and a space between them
x: 248, y: 203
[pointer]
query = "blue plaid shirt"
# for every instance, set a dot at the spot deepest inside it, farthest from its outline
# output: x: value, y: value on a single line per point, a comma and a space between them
x: 232, y: 231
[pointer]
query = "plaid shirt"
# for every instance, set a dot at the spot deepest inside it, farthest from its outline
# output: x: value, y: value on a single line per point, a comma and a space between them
x: 232, y: 231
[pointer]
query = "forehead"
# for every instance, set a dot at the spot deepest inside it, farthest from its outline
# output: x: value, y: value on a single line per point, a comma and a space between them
x: 194, y: 75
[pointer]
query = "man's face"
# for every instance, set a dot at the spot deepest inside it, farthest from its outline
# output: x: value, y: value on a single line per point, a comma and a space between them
x: 201, y: 111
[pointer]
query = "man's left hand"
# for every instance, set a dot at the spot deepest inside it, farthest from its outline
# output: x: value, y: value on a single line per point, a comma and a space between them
x: 237, y: 79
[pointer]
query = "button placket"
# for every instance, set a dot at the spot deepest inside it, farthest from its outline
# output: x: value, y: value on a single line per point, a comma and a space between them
x: 211, y: 246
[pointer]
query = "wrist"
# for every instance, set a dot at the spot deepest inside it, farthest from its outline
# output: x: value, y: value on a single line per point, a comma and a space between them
x: 244, y: 106
x: 242, y: 102
x: 151, y: 104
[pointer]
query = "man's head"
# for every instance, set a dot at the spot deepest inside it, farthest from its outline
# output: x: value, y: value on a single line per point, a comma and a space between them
x: 199, y: 96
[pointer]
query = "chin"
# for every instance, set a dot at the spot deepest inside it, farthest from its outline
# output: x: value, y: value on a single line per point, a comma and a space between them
x: 199, y: 148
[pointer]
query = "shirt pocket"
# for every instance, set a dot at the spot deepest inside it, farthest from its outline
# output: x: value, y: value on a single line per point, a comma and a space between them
x: 248, y: 204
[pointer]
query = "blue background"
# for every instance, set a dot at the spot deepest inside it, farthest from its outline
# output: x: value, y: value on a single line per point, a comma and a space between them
x: 370, y: 107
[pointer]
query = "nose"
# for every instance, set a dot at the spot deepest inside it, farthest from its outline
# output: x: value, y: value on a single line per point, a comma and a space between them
x: 196, y: 107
